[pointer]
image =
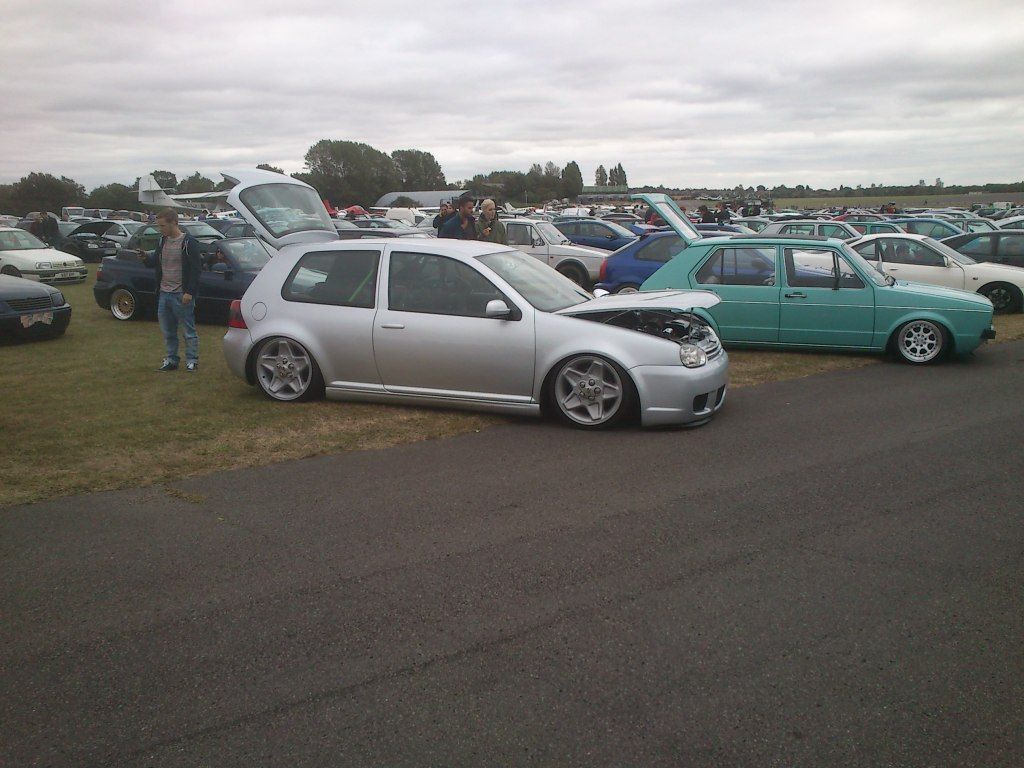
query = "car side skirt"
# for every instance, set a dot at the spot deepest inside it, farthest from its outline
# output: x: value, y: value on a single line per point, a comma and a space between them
x: 374, y: 395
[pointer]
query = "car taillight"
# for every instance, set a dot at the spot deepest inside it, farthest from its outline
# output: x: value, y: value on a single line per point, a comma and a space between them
x: 99, y: 274
x: 235, y: 319
x: 602, y: 273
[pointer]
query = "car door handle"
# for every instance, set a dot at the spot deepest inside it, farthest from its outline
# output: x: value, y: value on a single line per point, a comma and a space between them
x: 393, y: 326
x: 797, y: 295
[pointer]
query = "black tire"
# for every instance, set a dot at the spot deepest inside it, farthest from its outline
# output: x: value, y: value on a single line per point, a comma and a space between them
x: 628, y: 288
x: 314, y: 388
x: 625, y: 410
x: 123, y: 304
x: 921, y: 342
x: 12, y: 271
x: 1005, y: 298
x: 576, y: 273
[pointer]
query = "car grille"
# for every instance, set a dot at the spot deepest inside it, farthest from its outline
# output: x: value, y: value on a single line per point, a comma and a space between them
x: 711, y: 346
x: 30, y: 305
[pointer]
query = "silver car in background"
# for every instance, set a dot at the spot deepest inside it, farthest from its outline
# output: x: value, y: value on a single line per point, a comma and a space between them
x: 543, y: 241
x: 458, y: 324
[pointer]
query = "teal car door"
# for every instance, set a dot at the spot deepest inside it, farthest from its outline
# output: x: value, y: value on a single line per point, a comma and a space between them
x: 745, y: 277
x: 824, y: 300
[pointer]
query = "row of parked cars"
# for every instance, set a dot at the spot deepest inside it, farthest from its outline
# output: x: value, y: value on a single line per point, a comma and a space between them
x: 502, y: 328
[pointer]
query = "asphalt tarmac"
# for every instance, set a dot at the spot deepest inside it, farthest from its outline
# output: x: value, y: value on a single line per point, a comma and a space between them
x: 828, y: 574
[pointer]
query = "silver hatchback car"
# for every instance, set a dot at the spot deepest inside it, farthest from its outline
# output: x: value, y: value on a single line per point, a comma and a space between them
x: 458, y: 324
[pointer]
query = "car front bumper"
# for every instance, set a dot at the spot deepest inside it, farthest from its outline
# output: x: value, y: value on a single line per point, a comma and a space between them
x: 674, y: 394
x: 56, y: 276
x: 12, y: 326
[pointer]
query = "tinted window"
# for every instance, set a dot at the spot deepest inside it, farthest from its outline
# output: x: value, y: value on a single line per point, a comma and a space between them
x: 341, y: 278
x: 661, y: 248
x: 739, y: 266
x: 519, y: 234
x: 1011, y: 248
x: 248, y: 253
x: 910, y: 252
x: 423, y: 282
x: 149, y: 238
x: 570, y: 229
x: 813, y: 268
x: 977, y: 247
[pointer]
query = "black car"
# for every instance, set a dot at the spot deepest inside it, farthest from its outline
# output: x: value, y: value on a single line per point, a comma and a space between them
x: 86, y: 241
x: 31, y: 310
x: 127, y: 286
x: 1004, y: 246
x: 146, y: 239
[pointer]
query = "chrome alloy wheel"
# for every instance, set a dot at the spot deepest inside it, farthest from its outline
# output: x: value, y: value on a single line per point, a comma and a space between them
x: 588, y: 390
x: 283, y: 369
x: 122, y: 304
x: 920, y: 341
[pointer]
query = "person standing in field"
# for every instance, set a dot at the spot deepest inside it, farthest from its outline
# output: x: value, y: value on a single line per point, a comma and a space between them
x: 461, y: 226
x: 178, y: 261
x: 489, y: 227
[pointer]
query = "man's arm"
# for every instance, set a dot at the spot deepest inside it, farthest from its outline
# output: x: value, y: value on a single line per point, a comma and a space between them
x: 190, y: 251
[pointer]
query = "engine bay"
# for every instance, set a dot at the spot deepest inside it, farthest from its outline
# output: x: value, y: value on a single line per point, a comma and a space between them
x: 675, y: 325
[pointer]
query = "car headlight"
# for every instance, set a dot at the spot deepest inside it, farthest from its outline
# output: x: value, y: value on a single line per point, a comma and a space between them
x: 57, y: 298
x: 44, y: 265
x: 692, y: 356
x: 92, y: 245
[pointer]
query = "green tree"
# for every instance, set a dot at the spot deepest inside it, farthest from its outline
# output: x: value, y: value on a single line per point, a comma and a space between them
x: 268, y: 167
x: 418, y: 170
x: 348, y: 172
x: 165, y: 179
x: 45, y: 192
x: 600, y: 177
x: 116, y: 196
x: 572, y: 180
x: 622, y: 180
x: 195, y: 184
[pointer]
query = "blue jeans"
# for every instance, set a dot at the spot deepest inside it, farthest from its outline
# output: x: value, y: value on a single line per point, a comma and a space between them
x: 170, y: 311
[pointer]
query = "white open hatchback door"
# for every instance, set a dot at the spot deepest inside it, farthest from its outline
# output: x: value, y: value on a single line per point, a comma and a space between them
x: 282, y: 210
x: 653, y: 300
x: 666, y: 207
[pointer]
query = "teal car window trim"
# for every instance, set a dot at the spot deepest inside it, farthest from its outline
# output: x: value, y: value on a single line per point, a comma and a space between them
x: 720, y: 269
x: 819, y: 268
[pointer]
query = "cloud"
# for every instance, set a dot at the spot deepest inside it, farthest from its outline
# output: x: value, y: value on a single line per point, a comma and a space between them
x: 680, y: 93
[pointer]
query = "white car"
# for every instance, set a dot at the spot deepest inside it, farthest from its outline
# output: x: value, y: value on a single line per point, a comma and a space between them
x: 543, y: 241
x: 920, y: 259
x: 1013, y: 222
x: 22, y: 254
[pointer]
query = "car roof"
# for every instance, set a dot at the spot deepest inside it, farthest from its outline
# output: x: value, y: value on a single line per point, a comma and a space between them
x: 463, y: 250
x: 897, y: 235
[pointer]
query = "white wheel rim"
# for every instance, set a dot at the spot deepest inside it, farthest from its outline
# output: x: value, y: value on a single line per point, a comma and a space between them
x: 588, y: 390
x: 628, y: 289
x: 283, y: 369
x: 122, y: 304
x: 920, y: 341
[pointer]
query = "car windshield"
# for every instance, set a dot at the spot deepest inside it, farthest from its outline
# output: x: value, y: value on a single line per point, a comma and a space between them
x: 132, y: 226
x: 66, y: 227
x: 285, y: 209
x: 863, y: 266
x: 343, y: 224
x: 618, y: 230
x: 550, y: 232
x: 540, y: 285
x: 20, y: 241
x: 248, y: 253
x: 945, y: 250
x: 200, y: 229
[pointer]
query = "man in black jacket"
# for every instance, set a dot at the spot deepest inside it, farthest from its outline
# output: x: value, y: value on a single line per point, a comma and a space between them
x: 178, y: 261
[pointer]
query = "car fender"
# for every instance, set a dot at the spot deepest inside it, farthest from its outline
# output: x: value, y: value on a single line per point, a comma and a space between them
x: 917, y: 314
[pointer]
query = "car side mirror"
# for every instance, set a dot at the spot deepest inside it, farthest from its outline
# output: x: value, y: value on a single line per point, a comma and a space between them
x: 537, y: 242
x: 497, y: 308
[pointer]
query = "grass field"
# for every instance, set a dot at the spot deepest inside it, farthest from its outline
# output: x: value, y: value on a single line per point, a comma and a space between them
x: 89, y: 412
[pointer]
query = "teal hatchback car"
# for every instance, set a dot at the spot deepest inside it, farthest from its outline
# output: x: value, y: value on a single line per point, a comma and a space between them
x: 815, y: 292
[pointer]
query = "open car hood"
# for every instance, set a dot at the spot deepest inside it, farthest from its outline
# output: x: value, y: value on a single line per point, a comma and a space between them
x: 666, y: 207
x: 664, y: 300
x: 282, y: 210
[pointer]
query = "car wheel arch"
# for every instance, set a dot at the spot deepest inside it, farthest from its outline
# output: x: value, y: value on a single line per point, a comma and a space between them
x: 1015, y: 291
x: 543, y: 395
x: 313, y: 349
x: 933, y: 317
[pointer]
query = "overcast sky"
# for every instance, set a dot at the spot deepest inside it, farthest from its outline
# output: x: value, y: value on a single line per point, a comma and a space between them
x: 681, y: 93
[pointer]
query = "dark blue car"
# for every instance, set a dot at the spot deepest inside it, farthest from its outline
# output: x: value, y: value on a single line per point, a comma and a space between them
x: 625, y: 270
x: 127, y: 287
x: 606, y: 235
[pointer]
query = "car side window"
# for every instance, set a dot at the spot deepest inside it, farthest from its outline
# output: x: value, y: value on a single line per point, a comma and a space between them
x: 868, y: 250
x: 1011, y: 247
x: 814, y: 268
x: 831, y: 230
x: 978, y: 246
x: 518, y: 234
x: 149, y: 238
x: 661, y: 249
x: 798, y: 229
x: 424, y: 282
x: 339, y: 278
x: 571, y: 229
x: 748, y: 265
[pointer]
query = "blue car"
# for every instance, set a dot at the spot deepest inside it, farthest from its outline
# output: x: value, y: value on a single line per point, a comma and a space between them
x: 606, y: 235
x: 625, y: 270
x: 126, y: 285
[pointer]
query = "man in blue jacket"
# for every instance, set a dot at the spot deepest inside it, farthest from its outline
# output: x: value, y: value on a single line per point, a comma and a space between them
x: 461, y: 226
x: 178, y: 261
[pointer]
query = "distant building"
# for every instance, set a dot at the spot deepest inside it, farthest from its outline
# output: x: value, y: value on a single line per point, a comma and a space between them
x: 425, y: 199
